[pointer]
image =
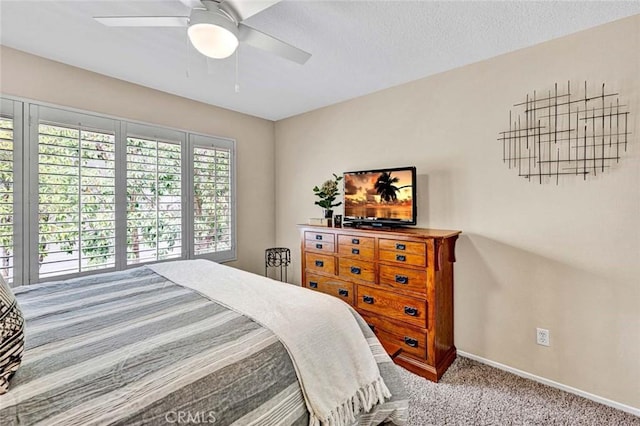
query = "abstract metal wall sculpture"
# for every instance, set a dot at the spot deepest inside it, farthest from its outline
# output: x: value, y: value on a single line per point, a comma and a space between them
x: 562, y: 133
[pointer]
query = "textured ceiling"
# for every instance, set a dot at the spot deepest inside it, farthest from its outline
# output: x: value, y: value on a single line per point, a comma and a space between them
x: 358, y: 47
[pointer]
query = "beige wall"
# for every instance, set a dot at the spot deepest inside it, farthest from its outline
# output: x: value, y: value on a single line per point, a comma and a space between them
x: 565, y: 258
x: 40, y: 79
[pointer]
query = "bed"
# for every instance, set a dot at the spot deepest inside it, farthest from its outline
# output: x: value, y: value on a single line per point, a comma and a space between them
x: 136, y: 347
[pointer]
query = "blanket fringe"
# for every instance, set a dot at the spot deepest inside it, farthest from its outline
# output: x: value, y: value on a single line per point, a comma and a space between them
x: 363, y: 401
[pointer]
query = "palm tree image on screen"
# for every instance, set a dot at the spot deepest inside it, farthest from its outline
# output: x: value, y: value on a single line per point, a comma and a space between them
x: 381, y: 195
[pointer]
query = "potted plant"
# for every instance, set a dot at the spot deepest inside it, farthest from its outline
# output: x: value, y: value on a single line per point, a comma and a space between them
x: 327, y: 194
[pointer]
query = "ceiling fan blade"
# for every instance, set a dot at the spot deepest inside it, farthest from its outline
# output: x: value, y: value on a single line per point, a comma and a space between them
x: 243, y: 9
x: 192, y: 4
x: 143, y: 21
x: 271, y: 44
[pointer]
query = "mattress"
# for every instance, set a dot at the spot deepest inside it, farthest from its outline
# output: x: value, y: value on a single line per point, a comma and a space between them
x: 132, y: 347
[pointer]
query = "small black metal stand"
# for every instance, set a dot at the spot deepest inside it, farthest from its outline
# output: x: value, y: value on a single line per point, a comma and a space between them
x: 277, y: 257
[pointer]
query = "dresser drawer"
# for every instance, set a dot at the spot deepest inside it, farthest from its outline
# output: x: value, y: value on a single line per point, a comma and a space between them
x: 403, y: 308
x: 320, y: 262
x: 356, y: 247
x: 400, y: 246
x: 356, y: 269
x: 402, y: 258
x: 412, y: 340
x: 356, y: 252
x: 319, y: 246
x: 404, y: 279
x: 325, y: 237
x: 355, y: 241
x: 332, y: 286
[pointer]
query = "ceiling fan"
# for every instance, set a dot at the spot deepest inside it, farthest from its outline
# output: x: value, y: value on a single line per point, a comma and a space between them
x: 215, y: 27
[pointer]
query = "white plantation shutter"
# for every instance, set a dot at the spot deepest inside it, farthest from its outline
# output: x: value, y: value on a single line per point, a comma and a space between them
x: 6, y: 197
x: 10, y: 146
x: 154, y: 196
x: 82, y: 193
x: 75, y: 193
x: 213, y: 195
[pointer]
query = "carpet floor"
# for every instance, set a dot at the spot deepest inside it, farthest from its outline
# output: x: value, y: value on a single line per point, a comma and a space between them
x: 471, y: 393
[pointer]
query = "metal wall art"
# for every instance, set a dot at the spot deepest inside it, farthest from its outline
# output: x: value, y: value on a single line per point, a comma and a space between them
x: 565, y: 133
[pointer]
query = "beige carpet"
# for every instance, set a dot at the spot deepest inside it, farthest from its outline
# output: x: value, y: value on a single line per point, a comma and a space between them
x: 471, y: 393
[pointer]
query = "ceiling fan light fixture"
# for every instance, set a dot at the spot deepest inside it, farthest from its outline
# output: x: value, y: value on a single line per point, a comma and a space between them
x: 212, y: 33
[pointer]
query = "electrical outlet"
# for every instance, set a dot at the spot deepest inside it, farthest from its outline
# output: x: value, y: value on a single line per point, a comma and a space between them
x: 542, y: 337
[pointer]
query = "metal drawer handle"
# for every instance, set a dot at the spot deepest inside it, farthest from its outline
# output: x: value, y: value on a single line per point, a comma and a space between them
x: 319, y: 263
x: 355, y: 270
x: 355, y: 251
x: 402, y: 279
x: 401, y: 246
x: 355, y: 241
x: 411, y: 342
x: 368, y: 299
x: 401, y: 257
x: 313, y: 284
x: 318, y: 237
x: 342, y: 292
x: 319, y: 246
x: 410, y: 311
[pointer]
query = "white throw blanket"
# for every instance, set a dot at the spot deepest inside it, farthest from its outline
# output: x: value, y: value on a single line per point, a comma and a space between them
x: 336, y: 369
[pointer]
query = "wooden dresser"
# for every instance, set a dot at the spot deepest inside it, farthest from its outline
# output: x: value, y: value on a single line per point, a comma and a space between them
x: 400, y: 280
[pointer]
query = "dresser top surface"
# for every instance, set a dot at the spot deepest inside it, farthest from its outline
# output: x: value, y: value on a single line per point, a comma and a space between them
x: 416, y: 232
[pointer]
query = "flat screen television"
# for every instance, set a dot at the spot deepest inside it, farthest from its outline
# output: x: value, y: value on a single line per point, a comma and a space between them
x: 383, y: 197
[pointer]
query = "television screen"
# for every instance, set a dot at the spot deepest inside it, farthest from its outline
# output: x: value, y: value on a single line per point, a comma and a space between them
x: 385, y: 195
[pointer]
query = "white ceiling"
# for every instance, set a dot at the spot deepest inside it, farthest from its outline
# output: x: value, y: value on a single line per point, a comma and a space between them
x: 358, y: 47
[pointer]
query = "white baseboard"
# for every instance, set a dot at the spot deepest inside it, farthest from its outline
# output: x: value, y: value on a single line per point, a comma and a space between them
x: 627, y: 408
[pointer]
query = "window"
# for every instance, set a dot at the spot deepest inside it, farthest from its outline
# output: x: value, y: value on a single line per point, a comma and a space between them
x: 76, y: 199
x: 11, y: 199
x: 213, y: 209
x: 104, y: 194
x: 6, y: 192
x: 154, y: 199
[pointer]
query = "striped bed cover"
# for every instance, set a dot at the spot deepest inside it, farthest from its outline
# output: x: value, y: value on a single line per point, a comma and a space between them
x: 131, y: 347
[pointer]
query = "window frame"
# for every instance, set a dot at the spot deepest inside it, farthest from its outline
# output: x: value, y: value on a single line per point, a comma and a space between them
x: 37, y: 115
x: 14, y: 109
x: 158, y: 134
x: 27, y: 117
x: 198, y: 140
